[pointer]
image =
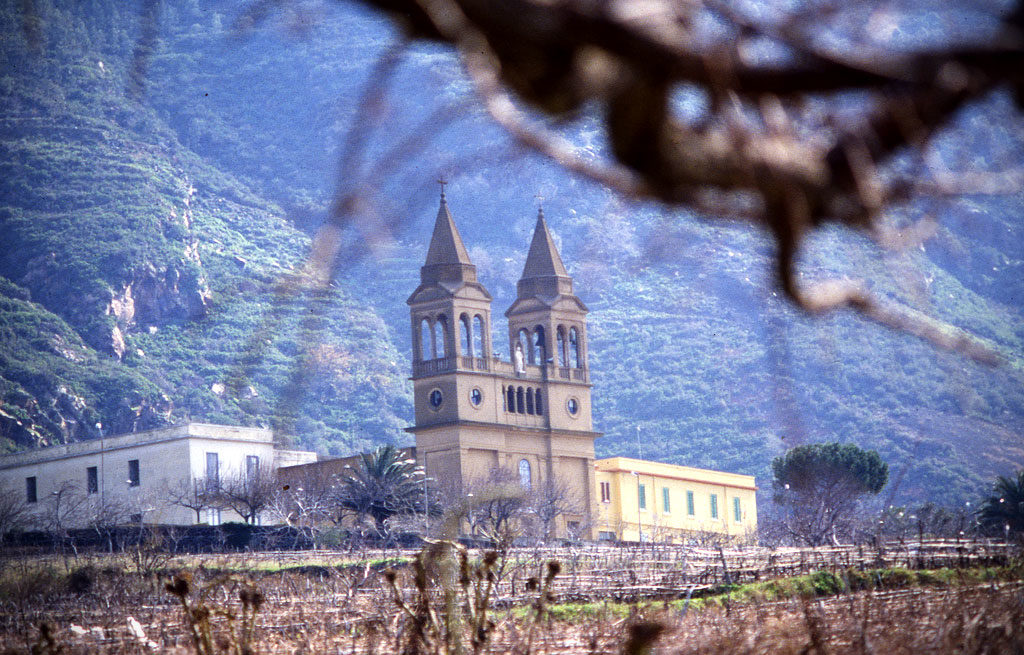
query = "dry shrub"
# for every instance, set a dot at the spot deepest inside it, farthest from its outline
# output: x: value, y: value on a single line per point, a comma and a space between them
x: 981, y: 619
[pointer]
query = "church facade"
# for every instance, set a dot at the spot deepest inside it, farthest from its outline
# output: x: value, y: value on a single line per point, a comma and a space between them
x: 476, y: 413
x: 530, y: 417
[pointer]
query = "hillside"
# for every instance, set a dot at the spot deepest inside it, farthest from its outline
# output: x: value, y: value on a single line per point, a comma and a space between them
x: 162, y: 238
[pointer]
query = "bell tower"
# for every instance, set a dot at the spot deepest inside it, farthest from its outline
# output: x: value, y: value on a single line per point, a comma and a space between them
x: 451, y: 323
x: 547, y: 323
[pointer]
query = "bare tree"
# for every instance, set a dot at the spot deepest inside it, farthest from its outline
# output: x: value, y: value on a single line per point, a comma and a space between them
x: 59, y: 510
x: 197, y: 496
x: 248, y: 491
x: 14, y: 512
x: 306, y: 505
x: 554, y: 498
x: 104, y: 514
x: 498, y: 507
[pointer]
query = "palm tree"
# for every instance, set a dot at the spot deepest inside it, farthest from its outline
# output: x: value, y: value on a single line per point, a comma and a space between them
x: 1004, y: 510
x: 382, y: 485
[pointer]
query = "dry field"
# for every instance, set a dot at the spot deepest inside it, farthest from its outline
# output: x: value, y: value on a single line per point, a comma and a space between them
x: 640, y: 600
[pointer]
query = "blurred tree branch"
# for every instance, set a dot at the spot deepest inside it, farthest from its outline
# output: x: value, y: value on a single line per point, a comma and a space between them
x: 755, y: 154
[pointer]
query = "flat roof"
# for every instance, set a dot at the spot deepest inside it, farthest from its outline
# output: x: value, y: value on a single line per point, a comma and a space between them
x: 674, y: 472
x: 136, y: 439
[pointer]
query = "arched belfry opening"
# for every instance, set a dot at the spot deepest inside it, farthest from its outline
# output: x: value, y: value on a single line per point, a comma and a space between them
x: 466, y: 336
x: 539, y: 345
x: 479, y: 342
x: 574, y: 349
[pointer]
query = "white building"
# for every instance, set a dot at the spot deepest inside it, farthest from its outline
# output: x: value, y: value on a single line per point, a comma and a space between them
x: 131, y: 477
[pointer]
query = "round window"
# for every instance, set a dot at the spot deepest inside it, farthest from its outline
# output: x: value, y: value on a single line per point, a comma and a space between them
x: 436, y: 398
x: 573, y: 406
x: 476, y: 397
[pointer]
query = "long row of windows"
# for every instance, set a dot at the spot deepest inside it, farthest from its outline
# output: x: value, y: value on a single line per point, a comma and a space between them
x: 92, y: 478
x: 666, y: 501
x: 520, y: 400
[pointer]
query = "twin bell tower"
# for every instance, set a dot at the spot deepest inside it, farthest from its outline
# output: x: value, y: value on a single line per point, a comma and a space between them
x: 477, y: 413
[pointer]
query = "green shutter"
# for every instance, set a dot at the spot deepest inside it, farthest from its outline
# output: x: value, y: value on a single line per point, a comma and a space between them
x: 714, y: 506
x: 736, y: 510
x: 689, y: 503
x: 642, y: 490
x: 664, y: 499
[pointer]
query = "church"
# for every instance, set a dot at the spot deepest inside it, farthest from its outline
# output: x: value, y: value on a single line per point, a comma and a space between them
x: 531, y: 415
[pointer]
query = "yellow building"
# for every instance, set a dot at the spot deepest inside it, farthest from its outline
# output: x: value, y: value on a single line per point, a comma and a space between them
x: 652, y: 501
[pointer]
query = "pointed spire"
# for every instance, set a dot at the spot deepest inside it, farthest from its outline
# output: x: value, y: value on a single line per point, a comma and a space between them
x: 544, y: 273
x: 447, y: 258
x: 543, y: 259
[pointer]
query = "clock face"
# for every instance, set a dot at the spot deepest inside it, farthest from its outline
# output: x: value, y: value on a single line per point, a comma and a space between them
x: 573, y: 406
x: 476, y: 397
x: 436, y: 398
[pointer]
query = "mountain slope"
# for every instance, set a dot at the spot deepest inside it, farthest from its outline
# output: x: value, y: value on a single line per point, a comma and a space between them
x: 168, y: 233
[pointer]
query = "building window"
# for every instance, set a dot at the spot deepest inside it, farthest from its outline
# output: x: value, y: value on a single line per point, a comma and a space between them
x: 666, y: 507
x: 92, y: 480
x: 212, y: 472
x: 213, y: 516
x: 252, y: 466
x: 606, y: 492
x: 30, y: 490
x: 606, y: 535
x: 537, y: 405
x: 133, y: 473
x: 135, y: 518
x: 737, y: 510
x: 524, y: 473
x: 641, y: 491
x: 690, y: 510
x: 714, y: 506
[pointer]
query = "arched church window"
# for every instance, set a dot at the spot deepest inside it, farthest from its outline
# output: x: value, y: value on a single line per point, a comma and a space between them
x: 467, y: 336
x: 574, y: 348
x: 524, y: 343
x: 511, y: 405
x: 520, y: 398
x: 441, y: 337
x: 524, y: 474
x: 529, y: 401
x: 478, y: 336
x: 538, y: 406
x: 426, y: 341
x: 561, y: 347
x: 539, y: 354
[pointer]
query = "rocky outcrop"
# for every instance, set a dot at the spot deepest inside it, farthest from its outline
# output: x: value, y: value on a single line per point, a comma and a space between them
x: 105, y: 314
x: 52, y: 417
x: 157, y: 297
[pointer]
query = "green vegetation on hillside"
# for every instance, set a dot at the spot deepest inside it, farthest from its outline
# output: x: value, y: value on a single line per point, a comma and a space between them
x: 199, y: 194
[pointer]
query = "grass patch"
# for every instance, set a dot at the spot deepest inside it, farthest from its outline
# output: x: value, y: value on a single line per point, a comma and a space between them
x: 815, y: 585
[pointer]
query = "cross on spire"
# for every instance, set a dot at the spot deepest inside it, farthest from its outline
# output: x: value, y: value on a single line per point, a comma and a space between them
x: 442, y: 182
